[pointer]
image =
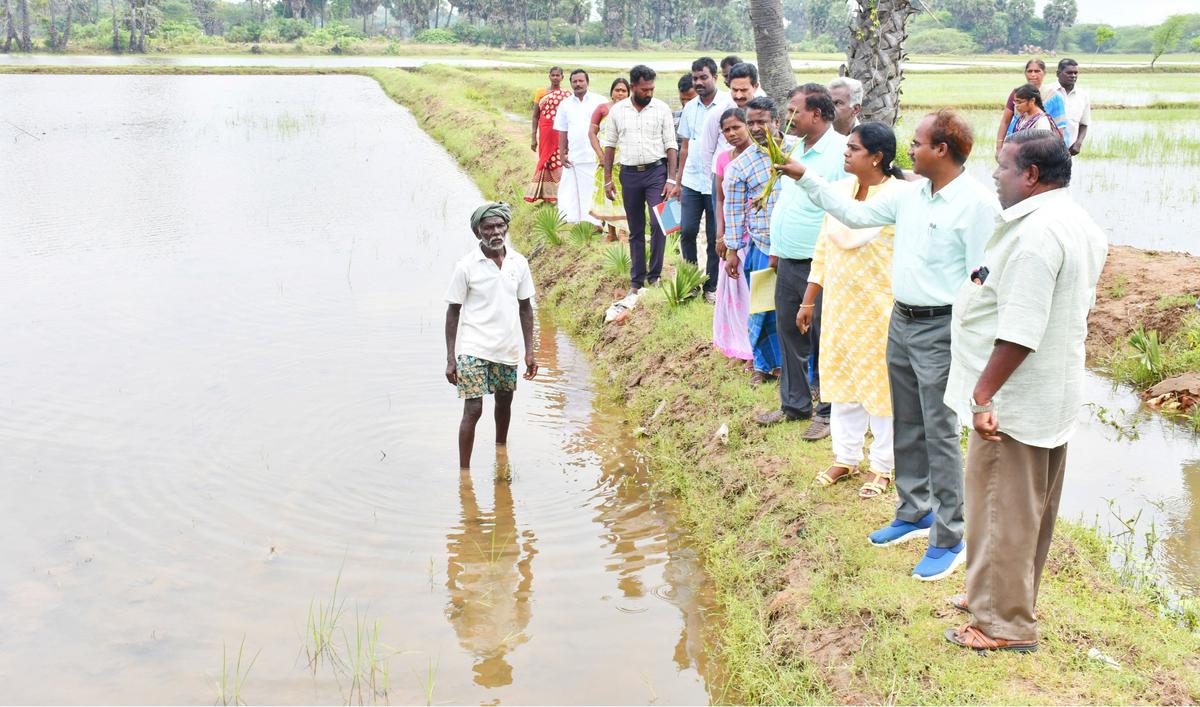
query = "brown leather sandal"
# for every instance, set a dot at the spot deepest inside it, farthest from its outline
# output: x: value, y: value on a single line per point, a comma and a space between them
x: 970, y: 637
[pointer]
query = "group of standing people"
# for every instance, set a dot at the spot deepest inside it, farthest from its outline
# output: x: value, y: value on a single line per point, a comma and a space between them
x: 908, y: 306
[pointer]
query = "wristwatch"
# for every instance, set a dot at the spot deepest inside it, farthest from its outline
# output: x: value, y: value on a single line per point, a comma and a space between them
x: 989, y: 406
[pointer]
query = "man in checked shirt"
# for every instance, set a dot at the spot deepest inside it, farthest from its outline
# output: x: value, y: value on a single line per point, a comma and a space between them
x: 747, y: 176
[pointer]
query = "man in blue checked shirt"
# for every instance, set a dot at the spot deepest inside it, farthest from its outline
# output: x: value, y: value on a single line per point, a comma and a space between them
x: 748, y: 176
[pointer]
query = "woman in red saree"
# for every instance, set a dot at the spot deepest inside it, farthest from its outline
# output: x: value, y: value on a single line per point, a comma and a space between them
x: 544, y: 185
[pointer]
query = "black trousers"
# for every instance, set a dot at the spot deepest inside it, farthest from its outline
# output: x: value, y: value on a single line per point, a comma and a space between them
x: 639, y: 191
x: 795, y: 393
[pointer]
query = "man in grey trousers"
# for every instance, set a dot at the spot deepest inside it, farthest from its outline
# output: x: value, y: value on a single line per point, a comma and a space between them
x: 942, y: 225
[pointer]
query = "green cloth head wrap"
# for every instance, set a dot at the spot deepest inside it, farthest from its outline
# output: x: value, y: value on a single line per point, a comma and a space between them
x: 492, y: 208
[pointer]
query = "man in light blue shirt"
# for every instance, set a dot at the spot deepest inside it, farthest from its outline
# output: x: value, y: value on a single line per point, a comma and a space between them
x: 694, y: 176
x: 795, y: 224
x: 942, y: 225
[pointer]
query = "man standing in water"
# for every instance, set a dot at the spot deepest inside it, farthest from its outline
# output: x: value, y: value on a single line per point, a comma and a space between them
x: 490, y: 297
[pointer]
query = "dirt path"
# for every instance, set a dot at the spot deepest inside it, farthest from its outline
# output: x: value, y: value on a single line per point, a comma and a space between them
x: 1131, y: 292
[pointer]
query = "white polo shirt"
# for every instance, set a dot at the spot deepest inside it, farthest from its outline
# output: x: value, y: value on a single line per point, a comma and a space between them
x: 1044, y: 261
x: 489, y: 323
x: 1079, y: 110
x: 574, y: 118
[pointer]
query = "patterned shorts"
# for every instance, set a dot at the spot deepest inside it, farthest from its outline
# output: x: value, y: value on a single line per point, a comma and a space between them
x: 478, y: 377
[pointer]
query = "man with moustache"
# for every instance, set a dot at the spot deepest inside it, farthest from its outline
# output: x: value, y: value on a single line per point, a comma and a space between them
x: 695, y: 180
x: 489, y: 313
x: 1016, y: 381
x: 1078, y: 107
x: 795, y: 224
x: 572, y: 122
x: 847, y: 103
x: 743, y: 86
x: 942, y: 224
x: 642, y: 128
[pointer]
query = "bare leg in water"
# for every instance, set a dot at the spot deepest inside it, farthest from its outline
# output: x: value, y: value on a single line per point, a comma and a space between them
x: 503, y: 416
x: 472, y: 411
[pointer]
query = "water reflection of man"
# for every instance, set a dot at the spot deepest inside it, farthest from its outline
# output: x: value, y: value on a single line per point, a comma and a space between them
x: 490, y: 578
x: 490, y: 310
x: 1016, y: 379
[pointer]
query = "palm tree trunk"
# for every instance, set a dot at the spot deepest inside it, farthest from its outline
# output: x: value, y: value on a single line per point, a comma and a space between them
x: 131, y: 44
x: 878, y: 29
x: 775, y: 73
x: 635, y: 24
x: 66, y: 35
x: 53, y: 26
x: 116, y: 47
x: 10, y: 30
x: 23, y: 8
x: 142, y: 31
x: 614, y: 21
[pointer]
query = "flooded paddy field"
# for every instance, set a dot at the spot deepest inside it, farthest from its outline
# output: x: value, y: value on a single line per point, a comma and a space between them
x: 224, y: 414
x: 224, y: 419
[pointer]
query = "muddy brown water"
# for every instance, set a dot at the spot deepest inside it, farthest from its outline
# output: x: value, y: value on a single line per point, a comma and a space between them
x: 222, y: 387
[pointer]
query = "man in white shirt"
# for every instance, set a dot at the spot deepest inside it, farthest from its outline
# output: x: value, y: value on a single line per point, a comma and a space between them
x: 572, y: 121
x: 1078, y: 105
x: 1016, y: 380
x: 694, y: 175
x: 942, y: 225
x: 642, y: 128
x: 847, y: 103
x: 489, y: 313
x: 743, y: 87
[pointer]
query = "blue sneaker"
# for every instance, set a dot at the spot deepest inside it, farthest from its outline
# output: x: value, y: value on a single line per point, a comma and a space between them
x: 940, y: 562
x: 900, y: 530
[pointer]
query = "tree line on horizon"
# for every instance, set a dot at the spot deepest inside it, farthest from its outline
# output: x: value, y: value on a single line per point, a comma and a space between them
x: 939, y: 27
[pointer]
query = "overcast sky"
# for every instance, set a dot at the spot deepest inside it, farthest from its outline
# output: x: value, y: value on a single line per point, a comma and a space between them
x: 1124, y: 12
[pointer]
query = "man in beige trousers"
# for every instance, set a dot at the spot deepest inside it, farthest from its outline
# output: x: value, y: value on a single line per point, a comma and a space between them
x: 1016, y: 378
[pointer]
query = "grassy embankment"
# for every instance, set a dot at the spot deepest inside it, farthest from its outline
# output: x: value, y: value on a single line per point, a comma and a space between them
x: 811, y: 612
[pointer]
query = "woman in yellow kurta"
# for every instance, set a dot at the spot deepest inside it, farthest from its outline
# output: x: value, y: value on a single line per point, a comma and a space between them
x: 853, y: 269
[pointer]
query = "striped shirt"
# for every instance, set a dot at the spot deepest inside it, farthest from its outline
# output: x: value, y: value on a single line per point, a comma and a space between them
x: 747, y: 176
x: 641, y: 137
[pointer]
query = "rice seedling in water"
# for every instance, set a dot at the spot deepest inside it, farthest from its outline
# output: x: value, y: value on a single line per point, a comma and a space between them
x: 323, y: 618
x: 429, y: 680
x: 229, y: 689
x: 617, y: 260
x: 367, y: 660
x: 495, y: 552
x: 687, y: 280
x: 583, y: 234
x: 548, y: 225
x: 1149, y: 356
